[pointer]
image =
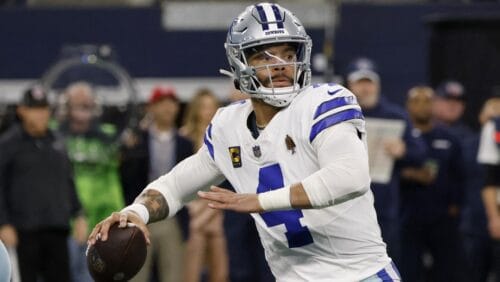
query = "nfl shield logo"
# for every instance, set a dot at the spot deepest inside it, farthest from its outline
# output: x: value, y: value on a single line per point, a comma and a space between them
x: 256, y: 151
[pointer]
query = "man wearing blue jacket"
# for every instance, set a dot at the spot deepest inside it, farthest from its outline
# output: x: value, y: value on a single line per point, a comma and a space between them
x: 364, y: 81
x: 449, y: 106
x: 431, y: 197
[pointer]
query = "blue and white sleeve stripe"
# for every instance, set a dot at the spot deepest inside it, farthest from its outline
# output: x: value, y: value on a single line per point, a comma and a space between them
x: 334, y: 111
x: 208, y: 141
x: 334, y: 104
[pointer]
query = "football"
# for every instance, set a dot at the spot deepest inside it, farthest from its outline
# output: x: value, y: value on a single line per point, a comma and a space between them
x: 120, y: 257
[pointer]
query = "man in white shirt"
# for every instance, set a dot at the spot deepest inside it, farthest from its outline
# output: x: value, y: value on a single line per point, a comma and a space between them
x: 295, y: 154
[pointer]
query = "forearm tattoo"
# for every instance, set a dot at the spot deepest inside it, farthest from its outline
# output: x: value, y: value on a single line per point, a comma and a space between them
x: 155, y: 203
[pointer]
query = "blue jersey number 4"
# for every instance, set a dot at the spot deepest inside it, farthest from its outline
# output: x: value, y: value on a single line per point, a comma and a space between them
x: 271, y: 178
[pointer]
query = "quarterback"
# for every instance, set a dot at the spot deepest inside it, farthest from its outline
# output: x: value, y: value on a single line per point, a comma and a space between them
x: 294, y: 152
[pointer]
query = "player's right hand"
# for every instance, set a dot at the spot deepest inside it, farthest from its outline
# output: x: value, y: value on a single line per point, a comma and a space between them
x: 223, y: 199
x: 123, y: 218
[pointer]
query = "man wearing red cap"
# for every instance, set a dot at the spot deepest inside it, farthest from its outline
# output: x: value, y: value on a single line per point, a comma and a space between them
x: 154, y: 151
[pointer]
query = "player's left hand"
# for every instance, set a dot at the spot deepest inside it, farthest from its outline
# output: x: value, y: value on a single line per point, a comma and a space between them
x: 223, y: 199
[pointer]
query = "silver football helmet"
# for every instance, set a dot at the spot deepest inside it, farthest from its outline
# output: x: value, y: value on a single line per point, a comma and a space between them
x: 261, y: 25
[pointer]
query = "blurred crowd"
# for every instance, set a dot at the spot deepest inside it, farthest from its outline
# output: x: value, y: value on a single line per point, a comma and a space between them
x: 438, y: 209
x: 63, y: 169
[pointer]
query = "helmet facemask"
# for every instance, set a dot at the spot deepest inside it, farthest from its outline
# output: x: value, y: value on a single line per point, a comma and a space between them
x: 269, y: 67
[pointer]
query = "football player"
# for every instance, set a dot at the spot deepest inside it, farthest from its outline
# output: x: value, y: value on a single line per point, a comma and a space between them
x: 294, y: 152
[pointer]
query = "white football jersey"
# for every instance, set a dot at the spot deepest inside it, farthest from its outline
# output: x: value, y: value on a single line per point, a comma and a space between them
x: 338, y: 243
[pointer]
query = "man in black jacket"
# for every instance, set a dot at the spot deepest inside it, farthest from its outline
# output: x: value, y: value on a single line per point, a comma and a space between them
x: 146, y: 155
x: 37, y: 193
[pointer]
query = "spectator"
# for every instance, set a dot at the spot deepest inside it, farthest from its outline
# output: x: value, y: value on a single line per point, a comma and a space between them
x: 149, y: 154
x: 93, y: 153
x: 364, y: 82
x: 448, y: 108
x: 37, y: 193
x: 199, y: 113
x: 431, y: 197
x: 489, y: 156
x: 206, y: 245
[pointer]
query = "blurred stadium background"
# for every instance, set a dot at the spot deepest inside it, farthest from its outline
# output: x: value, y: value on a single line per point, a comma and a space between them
x: 127, y: 46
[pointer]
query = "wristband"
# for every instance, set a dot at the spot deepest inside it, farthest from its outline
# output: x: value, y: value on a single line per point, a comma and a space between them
x: 140, y: 210
x: 278, y: 199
